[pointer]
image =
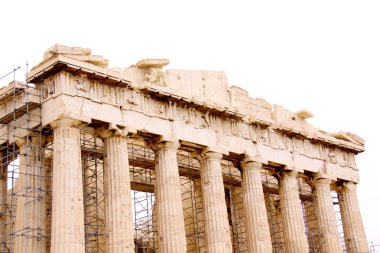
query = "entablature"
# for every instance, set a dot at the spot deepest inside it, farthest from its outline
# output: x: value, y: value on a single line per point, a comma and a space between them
x: 176, y: 86
x: 198, y: 106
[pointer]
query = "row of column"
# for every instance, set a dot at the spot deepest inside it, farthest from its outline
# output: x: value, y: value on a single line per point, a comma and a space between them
x: 68, y: 210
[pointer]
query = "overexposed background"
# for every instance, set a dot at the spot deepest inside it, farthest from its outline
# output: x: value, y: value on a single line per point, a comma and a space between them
x: 323, y: 56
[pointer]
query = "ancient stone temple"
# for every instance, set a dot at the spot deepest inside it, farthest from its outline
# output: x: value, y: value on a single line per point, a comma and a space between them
x: 147, y: 159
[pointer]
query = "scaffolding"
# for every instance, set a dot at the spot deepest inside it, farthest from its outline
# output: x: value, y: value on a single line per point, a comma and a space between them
x: 314, y: 238
x: 141, y: 167
x: 374, y: 248
x: 93, y: 192
x: 25, y: 168
x: 335, y: 197
x: 272, y: 201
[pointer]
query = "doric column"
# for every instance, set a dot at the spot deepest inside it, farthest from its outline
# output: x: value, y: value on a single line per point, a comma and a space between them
x: 171, y: 228
x: 30, y: 223
x: 218, y: 239
x: 258, y: 233
x: 326, y: 218
x: 20, y: 220
x: 67, y: 232
x: 48, y: 162
x: 117, y: 192
x: 354, y: 234
x: 3, y: 201
x: 291, y: 211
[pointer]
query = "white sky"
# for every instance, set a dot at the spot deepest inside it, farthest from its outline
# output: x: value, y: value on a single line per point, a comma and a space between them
x: 323, y: 56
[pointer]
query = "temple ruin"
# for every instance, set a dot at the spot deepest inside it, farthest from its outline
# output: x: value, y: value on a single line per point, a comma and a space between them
x: 147, y: 159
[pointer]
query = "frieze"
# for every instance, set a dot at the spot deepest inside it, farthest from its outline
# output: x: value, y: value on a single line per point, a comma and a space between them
x: 82, y: 85
x: 234, y: 127
x: 331, y: 155
x: 289, y: 143
x: 192, y: 116
x: 244, y: 130
x: 199, y: 117
x: 48, y: 87
x: 277, y: 139
x: 131, y: 100
x: 171, y: 110
x: 214, y: 121
x: 158, y: 108
x: 298, y: 145
x: 253, y: 133
x: 263, y: 135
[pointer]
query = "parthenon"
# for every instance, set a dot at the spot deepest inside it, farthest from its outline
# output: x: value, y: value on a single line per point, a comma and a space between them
x: 147, y: 159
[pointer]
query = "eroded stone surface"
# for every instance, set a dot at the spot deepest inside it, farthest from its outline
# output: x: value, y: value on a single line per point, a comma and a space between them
x: 259, y: 239
x: 355, y: 238
x: 197, y: 106
x: 171, y: 228
x: 218, y: 238
x: 326, y: 217
x: 292, y: 218
x: 67, y: 233
x: 197, y: 111
x: 117, y: 189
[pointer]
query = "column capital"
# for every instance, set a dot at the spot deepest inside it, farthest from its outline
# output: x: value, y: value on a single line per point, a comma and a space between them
x: 112, y: 130
x: 318, y: 179
x: 323, y: 181
x: 21, y: 142
x: 166, y: 145
x: 211, y: 154
x: 347, y: 187
x: 249, y: 164
x: 32, y: 138
x: 65, y: 122
x: 289, y: 173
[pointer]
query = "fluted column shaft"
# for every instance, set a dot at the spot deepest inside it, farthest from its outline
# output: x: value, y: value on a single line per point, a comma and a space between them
x: 117, y: 189
x: 291, y: 212
x: 218, y: 239
x: 19, y: 221
x: 354, y: 234
x: 67, y: 232
x: 326, y: 218
x: 171, y: 228
x: 258, y: 233
x: 30, y: 223
x: 3, y: 201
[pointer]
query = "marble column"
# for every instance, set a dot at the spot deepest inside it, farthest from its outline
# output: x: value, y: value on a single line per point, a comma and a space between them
x: 3, y: 201
x: 326, y: 218
x: 30, y: 223
x: 19, y: 216
x: 258, y: 233
x: 218, y: 239
x: 117, y: 193
x: 171, y: 228
x: 67, y: 231
x: 354, y: 234
x: 291, y: 212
